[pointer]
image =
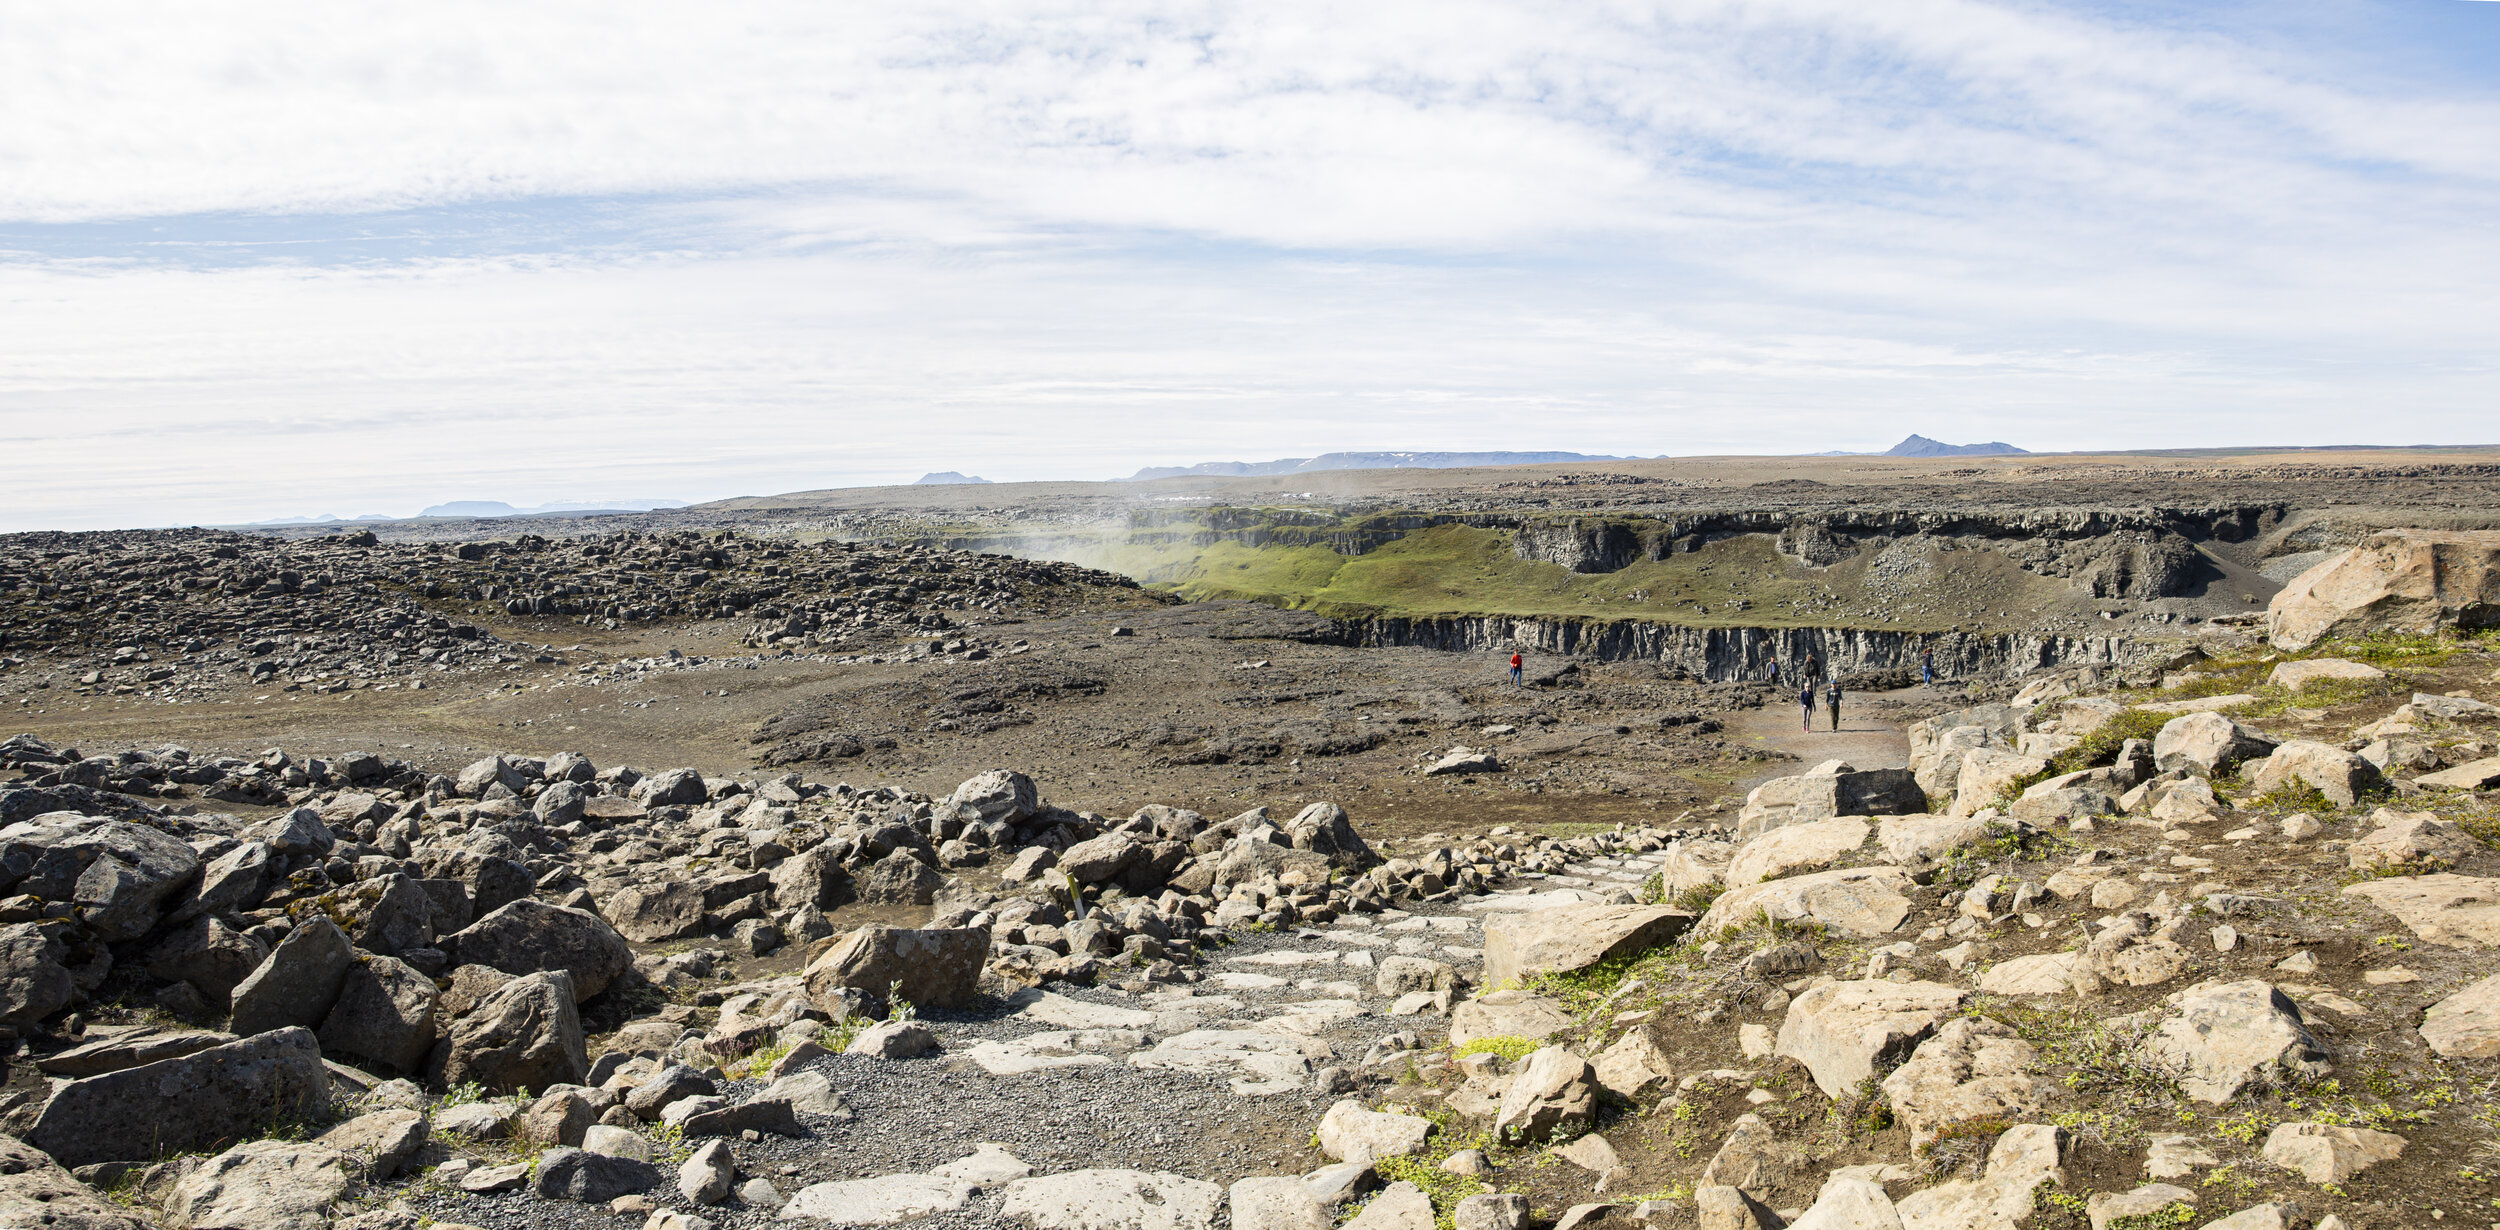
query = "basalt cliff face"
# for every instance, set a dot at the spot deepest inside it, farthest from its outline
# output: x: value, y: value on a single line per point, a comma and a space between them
x: 1731, y: 654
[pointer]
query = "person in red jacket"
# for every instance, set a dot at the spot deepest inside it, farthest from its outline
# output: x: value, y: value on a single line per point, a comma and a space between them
x: 1515, y: 666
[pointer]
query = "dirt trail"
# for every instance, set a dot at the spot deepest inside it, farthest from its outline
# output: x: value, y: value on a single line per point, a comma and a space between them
x: 1870, y: 734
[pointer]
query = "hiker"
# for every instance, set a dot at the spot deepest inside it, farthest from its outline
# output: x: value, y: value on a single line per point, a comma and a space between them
x: 1814, y: 669
x: 1927, y: 667
x: 1805, y: 696
x: 1515, y: 666
x: 1831, y: 700
x: 1775, y: 672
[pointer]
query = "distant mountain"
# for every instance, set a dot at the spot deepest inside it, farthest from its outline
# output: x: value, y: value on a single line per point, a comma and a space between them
x: 1921, y: 446
x: 497, y: 508
x: 947, y: 478
x: 1356, y: 461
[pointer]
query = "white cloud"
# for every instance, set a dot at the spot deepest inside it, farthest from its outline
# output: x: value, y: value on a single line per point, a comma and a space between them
x: 773, y: 245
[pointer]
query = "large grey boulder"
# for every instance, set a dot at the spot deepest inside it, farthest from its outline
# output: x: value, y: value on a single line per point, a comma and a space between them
x: 234, y: 880
x: 387, y: 914
x: 213, y: 957
x: 884, y: 1201
x: 1554, y: 1094
x: 262, y: 1185
x: 1841, y: 1030
x: 2227, y: 1035
x: 299, y: 983
x: 1987, y: 774
x: 998, y: 795
x: 1850, y: 1203
x: 1349, y: 1133
x: 656, y: 911
x: 815, y: 877
x: 2338, y: 774
x: 1277, y: 1202
x: 184, y: 1104
x: 37, y: 1194
x: 2002, y: 1196
x: 119, y: 875
x: 1521, y: 947
x: 935, y: 967
x: 528, y: 937
x: 591, y: 1178
x: 1324, y: 828
x: 385, y: 1012
x: 2328, y: 1154
x: 899, y: 879
x: 1971, y: 1071
x: 526, y: 1033
x: 1808, y: 846
x: 2408, y: 581
x: 35, y: 981
x: 1862, y: 901
x: 674, y: 788
x: 381, y: 1142
x: 114, y: 1052
x: 2206, y: 743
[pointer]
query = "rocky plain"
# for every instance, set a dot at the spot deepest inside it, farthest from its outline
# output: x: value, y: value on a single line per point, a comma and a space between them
x: 847, y: 861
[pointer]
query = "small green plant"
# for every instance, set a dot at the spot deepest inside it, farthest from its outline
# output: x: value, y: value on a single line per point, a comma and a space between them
x: 759, y: 1061
x: 462, y: 1094
x: 1509, y: 1047
x: 2175, y: 1213
x: 2246, y: 1127
x: 1698, y: 898
x: 898, y: 1008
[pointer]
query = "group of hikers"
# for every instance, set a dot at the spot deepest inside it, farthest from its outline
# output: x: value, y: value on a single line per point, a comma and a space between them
x: 1814, y: 679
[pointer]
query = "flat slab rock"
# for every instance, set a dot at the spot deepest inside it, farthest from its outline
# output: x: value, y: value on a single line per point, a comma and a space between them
x: 1114, y: 1200
x: 884, y: 1201
x: 1863, y: 901
x: 2448, y: 909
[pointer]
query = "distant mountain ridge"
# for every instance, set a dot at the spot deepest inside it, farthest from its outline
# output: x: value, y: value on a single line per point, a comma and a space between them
x: 1921, y: 446
x: 948, y: 478
x: 497, y: 508
x: 1356, y: 461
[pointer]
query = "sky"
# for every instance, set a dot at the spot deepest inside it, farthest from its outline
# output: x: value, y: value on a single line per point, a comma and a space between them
x: 276, y: 259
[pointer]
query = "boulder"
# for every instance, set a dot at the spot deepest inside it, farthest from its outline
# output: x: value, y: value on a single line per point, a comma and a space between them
x: 1507, y: 1014
x: 1833, y: 788
x: 213, y: 957
x: 1324, y: 828
x: 1101, y: 858
x: 2228, y: 1035
x: 1752, y: 1157
x: 885, y: 1201
x: 2047, y: 973
x: 1841, y: 1030
x: 1462, y: 760
x: 1921, y: 841
x: 1989, y: 774
x: 935, y: 967
x: 1850, y: 1203
x: 899, y: 879
x: 591, y: 1178
x: 2272, y: 1215
x: 1694, y: 862
x: 893, y: 1040
x: 1862, y: 901
x: 299, y: 983
x: 35, y: 981
x: 262, y: 1185
x: 2406, y: 581
x: 655, y: 912
x: 1806, y: 844
x: 385, y: 1012
x: 707, y: 1174
x: 1399, y: 1206
x: 1554, y: 1093
x: 2324, y: 1154
x: 1491, y: 1211
x: 386, y: 914
x: 2411, y: 841
x: 1521, y: 947
x: 557, y: 1118
x: 1277, y: 1202
x: 2142, y: 1206
x: 2339, y: 775
x: 2206, y: 743
x: 2001, y: 1197
x: 1113, y: 1200
x: 36, y: 1194
x: 1634, y: 1066
x: 1349, y: 1133
x: 2452, y: 910
x: 673, y: 788
x: 767, y: 1113
x: 119, y: 875
x: 1972, y: 1070
x: 815, y: 878
x: 183, y: 1104
x: 529, y: 937
x: 1721, y: 1206
x: 379, y: 1143
x: 235, y: 880
x: 103, y: 1053
x: 527, y: 1033
x: 998, y: 795
x: 2466, y: 1025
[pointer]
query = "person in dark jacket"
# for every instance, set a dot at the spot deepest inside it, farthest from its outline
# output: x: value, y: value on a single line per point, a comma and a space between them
x: 1805, y: 696
x: 1831, y: 700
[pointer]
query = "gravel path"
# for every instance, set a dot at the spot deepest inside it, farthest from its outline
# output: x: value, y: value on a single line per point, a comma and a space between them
x: 913, y: 1115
